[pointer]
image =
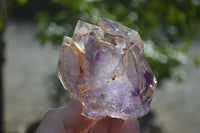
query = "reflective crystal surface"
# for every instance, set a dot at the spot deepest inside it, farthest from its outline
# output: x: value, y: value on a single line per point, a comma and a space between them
x: 105, y: 68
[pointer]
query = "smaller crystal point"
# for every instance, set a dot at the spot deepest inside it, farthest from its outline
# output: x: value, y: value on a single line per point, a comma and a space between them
x: 104, y: 67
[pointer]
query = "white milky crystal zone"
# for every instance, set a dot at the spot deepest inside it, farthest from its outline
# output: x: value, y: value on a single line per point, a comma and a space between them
x: 116, y: 29
x: 70, y: 79
x: 82, y: 33
x: 66, y: 39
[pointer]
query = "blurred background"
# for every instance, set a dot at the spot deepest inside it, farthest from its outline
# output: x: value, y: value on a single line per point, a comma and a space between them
x: 31, y: 32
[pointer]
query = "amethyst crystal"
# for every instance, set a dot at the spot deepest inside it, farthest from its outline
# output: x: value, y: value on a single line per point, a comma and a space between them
x: 105, y: 68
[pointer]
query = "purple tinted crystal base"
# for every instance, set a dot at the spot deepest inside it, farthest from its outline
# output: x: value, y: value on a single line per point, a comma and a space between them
x: 105, y: 68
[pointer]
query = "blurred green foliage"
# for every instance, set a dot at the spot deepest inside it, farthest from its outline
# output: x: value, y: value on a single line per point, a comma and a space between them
x: 197, y: 60
x: 162, y: 24
x: 163, y: 21
x: 3, y: 14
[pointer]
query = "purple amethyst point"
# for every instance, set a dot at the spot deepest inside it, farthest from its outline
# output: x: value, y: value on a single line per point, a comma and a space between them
x: 104, y: 67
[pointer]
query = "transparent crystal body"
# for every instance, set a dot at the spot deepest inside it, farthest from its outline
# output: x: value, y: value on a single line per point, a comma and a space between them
x: 104, y: 67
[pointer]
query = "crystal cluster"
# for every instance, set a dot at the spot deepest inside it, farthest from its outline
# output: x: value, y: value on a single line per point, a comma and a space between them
x: 104, y: 67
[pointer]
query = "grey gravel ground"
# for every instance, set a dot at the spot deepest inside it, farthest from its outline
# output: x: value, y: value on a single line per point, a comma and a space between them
x: 27, y: 65
x: 176, y: 105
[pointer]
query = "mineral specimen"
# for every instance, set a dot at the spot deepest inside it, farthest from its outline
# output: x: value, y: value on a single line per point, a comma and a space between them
x: 104, y: 67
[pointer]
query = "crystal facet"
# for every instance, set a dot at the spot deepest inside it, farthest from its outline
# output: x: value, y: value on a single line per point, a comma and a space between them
x: 104, y: 67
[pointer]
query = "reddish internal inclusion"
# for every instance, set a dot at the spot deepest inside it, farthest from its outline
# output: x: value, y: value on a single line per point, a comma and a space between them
x: 104, y: 67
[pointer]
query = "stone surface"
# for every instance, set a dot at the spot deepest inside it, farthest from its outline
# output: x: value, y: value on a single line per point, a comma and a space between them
x: 105, y: 68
